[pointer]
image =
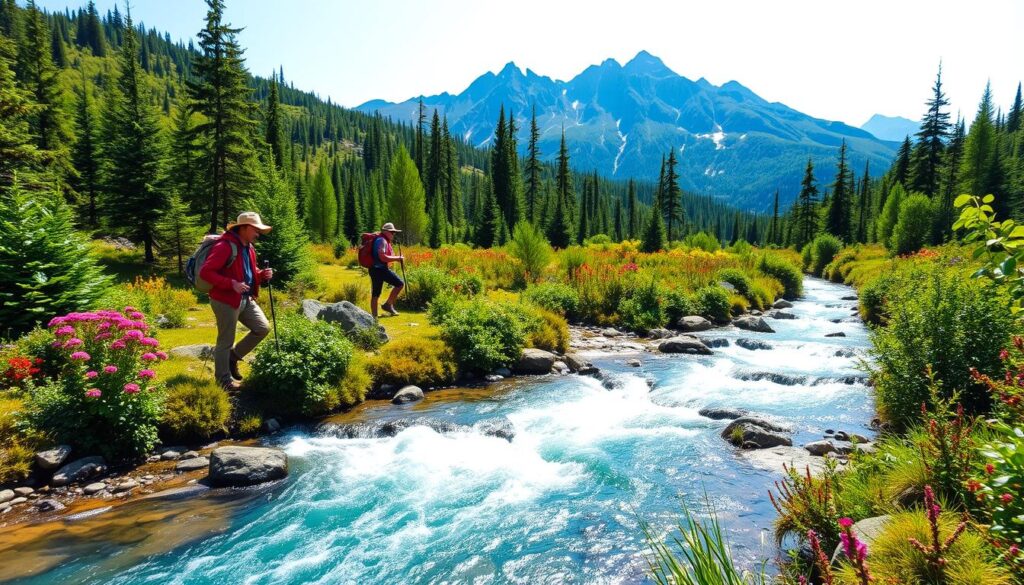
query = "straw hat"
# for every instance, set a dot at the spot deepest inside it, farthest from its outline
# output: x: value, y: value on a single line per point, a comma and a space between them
x: 250, y: 218
x: 389, y: 227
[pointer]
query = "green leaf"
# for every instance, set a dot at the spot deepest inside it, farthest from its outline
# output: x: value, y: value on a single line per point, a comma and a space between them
x: 1008, y: 265
x: 988, y: 199
x: 962, y: 200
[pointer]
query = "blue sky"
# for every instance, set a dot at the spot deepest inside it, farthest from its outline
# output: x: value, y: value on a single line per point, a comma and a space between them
x: 835, y: 60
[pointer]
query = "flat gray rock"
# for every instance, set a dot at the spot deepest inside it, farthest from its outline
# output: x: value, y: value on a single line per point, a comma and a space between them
x: 721, y: 413
x: 79, y: 470
x: 535, y: 361
x: 750, y: 323
x: 753, y: 344
x: 575, y: 362
x: 53, y: 458
x: 684, y: 344
x: 836, y: 334
x: 242, y: 466
x: 820, y: 448
x: 754, y: 433
x: 407, y: 394
x: 693, y: 324
x: 782, y: 304
x: 659, y: 333
x: 94, y: 488
x: 781, y: 315
x: 192, y: 464
x: 6, y: 496
x: 49, y: 505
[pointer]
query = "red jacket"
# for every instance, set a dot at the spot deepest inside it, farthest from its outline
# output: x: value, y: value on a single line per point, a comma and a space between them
x: 216, y: 272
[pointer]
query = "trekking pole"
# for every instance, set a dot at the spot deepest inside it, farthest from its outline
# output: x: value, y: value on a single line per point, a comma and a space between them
x: 403, y: 269
x: 273, y: 315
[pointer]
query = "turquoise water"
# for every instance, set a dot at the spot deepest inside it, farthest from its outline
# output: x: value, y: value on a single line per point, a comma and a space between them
x: 443, y: 501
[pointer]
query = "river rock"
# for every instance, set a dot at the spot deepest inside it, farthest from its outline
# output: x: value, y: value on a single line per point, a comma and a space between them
x: 820, y: 448
x: 53, y: 458
x: 867, y: 530
x: 746, y: 431
x: 128, y: 484
x: 684, y: 344
x: 23, y: 491
x: 49, y: 505
x: 855, y: 438
x: 849, y: 298
x: 535, y: 362
x: 575, y: 362
x: 714, y: 342
x: 172, y: 453
x: 720, y: 413
x: 845, y: 353
x: 842, y: 436
x: 493, y: 378
x: 94, y: 488
x: 561, y: 369
x: 611, y: 332
x: 79, y: 470
x: 660, y: 333
x: 750, y: 323
x: 198, y: 351
x: 781, y: 315
x: 633, y: 363
x: 407, y: 394
x: 241, y: 466
x: 6, y: 496
x: 763, y: 423
x: 782, y: 304
x: 192, y: 464
x: 836, y: 334
x: 190, y: 455
x: 693, y: 324
x: 17, y: 501
x: 499, y: 427
x: 345, y: 314
x: 753, y: 344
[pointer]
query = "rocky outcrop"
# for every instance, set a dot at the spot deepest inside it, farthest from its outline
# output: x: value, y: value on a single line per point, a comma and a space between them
x: 348, y: 316
x: 693, y: 324
x: 751, y: 323
x: 535, y: 362
x: 79, y: 470
x: 755, y: 433
x: 408, y: 394
x: 684, y: 344
x: 820, y: 448
x: 242, y: 466
x: 53, y: 458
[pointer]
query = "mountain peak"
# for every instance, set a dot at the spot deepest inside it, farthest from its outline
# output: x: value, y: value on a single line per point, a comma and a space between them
x: 647, y: 64
x: 510, y: 70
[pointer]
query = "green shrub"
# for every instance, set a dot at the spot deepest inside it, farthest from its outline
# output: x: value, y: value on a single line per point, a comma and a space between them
x: 805, y: 257
x: 834, y: 270
x: 531, y: 249
x: 738, y: 304
x: 571, y: 259
x: 874, y: 297
x: 484, y: 335
x: 598, y: 240
x: 302, y: 378
x: 414, y: 360
x: 194, y: 409
x: 702, y: 241
x: 16, y: 456
x: 677, y: 304
x: 642, y: 311
x: 1005, y: 453
x: 104, y: 399
x: 340, y: 246
x: 713, y: 303
x: 557, y: 297
x: 737, y: 278
x: 356, y: 383
x: 937, y: 317
x: 823, y: 249
x: 913, y: 228
x: 249, y: 424
x: 550, y: 332
x: 423, y: 284
x: 741, y: 248
x: 789, y: 275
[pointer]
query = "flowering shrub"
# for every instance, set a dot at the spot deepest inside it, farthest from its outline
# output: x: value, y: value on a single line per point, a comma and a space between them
x: 1008, y: 393
x: 104, y: 399
x: 22, y: 371
x: 1000, y: 490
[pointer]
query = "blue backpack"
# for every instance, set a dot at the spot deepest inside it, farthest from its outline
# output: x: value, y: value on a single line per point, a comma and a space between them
x: 198, y: 258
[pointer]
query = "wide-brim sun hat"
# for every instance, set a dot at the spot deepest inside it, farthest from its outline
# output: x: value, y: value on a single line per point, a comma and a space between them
x: 250, y: 218
x: 389, y: 227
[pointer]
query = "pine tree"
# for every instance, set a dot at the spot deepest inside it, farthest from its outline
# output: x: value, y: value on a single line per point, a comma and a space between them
x: 186, y: 176
x: 979, y: 170
x: 18, y: 152
x: 890, y: 214
x: 931, y: 143
x: 436, y: 226
x: 901, y: 166
x: 559, y: 228
x: 97, y: 41
x: 10, y: 26
x: 134, y: 152
x: 533, y: 172
x: 452, y: 180
x: 773, y: 230
x: 735, y: 232
x: 944, y: 216
x: 406, y: 204
x: 654, y: 235
x: 57, y: 51
x: 275, y: 131
x: 352, y: 219
x: 419, y: 148
x: 672, y: 198
x: 806, y: 213
x: 837, y: 218
x: 38, y: 75
x: 286, y: 247
x: 177, y: 232
x: 322, y: 207
x: 432, y: 174
x: 864, y: 206
x: 85, y: 156
x: 1013, y: 118
x: 220, y: 93
x: 633, y: 223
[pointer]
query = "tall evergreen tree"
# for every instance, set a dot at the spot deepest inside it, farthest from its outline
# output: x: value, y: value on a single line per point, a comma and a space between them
x: 632, y: 212
x: 177, y: 232
x: 134, y: 152
x: 97, y: 41
x: 286, y: 247
x: 58, y: 53
x: 406, y: 204
x: 275, y: 130
x: 452, y: 180
x: 944, y: 216
x: 837, y: 219
x: 432, y: 173
x: 220, y: 93
x: 186, y: 175
x: 654, y: 234
x: 533, y: 172
x: 559, y: 228
x: 864, y: 205
x: 352, y: 219
x: 931, y: 142
x: 322, y: 206
x: 419, y: 148
x: 890, y: 214
x: 672, y: 198
x: 901, y: 166
x: 773, y: 230
x: 1013, y: 118
x: 38, y: 75
x: 805, y: 212
x: 18, y: 153
x: 979, y: 169
x: 85, y: 156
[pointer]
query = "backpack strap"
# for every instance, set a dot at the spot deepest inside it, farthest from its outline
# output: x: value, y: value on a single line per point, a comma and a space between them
x: 375, y: 256
x: 234, y: 254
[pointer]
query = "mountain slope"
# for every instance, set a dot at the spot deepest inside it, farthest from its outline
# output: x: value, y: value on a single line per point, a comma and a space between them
x: 621, y: 119
x: 894, y: 128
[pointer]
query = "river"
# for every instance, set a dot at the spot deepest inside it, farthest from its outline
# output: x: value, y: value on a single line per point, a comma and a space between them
x: 448, y: 500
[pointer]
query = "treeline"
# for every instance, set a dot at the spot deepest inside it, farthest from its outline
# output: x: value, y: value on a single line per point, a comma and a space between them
x: 911, y: 205
x: 159, y: 141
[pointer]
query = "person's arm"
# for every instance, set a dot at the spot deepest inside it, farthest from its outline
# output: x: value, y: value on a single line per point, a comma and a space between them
x: 217, y: 258
x: 387, y: 258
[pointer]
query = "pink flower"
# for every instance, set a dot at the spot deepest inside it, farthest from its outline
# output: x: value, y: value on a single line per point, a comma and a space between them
x: 161, y: 354
x: 104, y: 326
x: 101, y: 336
x: 150, y: 342
x: 81, y: 355
x: 131, y: 388
x: 148, y: 356
x: 91, y: 374
x: 73, y: 342
x: 1006, y: 498
x: 119, y: 344
x: 65, y: 330
x: 56, y: 321
x: 133, y: 334
x: 147, y: 374
x: 110, y: 369
x: 990, y: 469
x: 130, y: 309
x: 136, y: 315
x: 845, y: 522
x: 93, y: 393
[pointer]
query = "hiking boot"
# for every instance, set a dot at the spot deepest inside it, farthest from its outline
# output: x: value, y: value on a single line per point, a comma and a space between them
x: 389, y: 309
x: 233, y: 366
x: 231, y: 385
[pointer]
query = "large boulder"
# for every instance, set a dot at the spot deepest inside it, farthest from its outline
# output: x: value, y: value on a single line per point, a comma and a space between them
x: 575, y: 362
x: 53, y: 458
x: 660, y: 333
x: 867, y: 530
x: 79, y: 470
x: 755, y: 433
x: 408, y: 394
x: 753, y: 344
x: 535, y: 361
x: 782, y: 304
x: 820, y: 448
x: 241, y: 466
x: 751, y: 323
x: 693, y: 324
x: 345, y: 314
x: 779, y: 314
x: 684, y: 344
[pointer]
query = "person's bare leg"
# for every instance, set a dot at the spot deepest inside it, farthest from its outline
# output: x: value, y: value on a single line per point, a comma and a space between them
x: 394, y: 295
x: 373, y: 306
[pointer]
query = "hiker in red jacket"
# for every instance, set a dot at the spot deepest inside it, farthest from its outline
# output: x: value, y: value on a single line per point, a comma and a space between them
x: 380, y: 273
x: 233, y: 296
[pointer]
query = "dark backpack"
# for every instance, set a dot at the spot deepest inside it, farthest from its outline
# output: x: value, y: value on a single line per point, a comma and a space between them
x: 198, y: 258
x: 366, y: 256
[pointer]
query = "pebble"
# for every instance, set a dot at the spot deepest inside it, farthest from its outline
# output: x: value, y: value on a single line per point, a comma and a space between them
x: 152, y: 459
x: 169, y: 454
x: 17, y: 501
x: 93, y: 488
x: 126, y: 485
x: 193, y: 464
x: 634, y: 363
x: 49, y: 506
x: 4, y: 508
x: 190, y: 455
x: 147, y: 477
x: 23, y: 491
x: 6, y: 496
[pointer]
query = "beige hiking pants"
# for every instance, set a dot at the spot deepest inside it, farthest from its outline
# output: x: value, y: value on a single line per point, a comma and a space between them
x: 250, y: 315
